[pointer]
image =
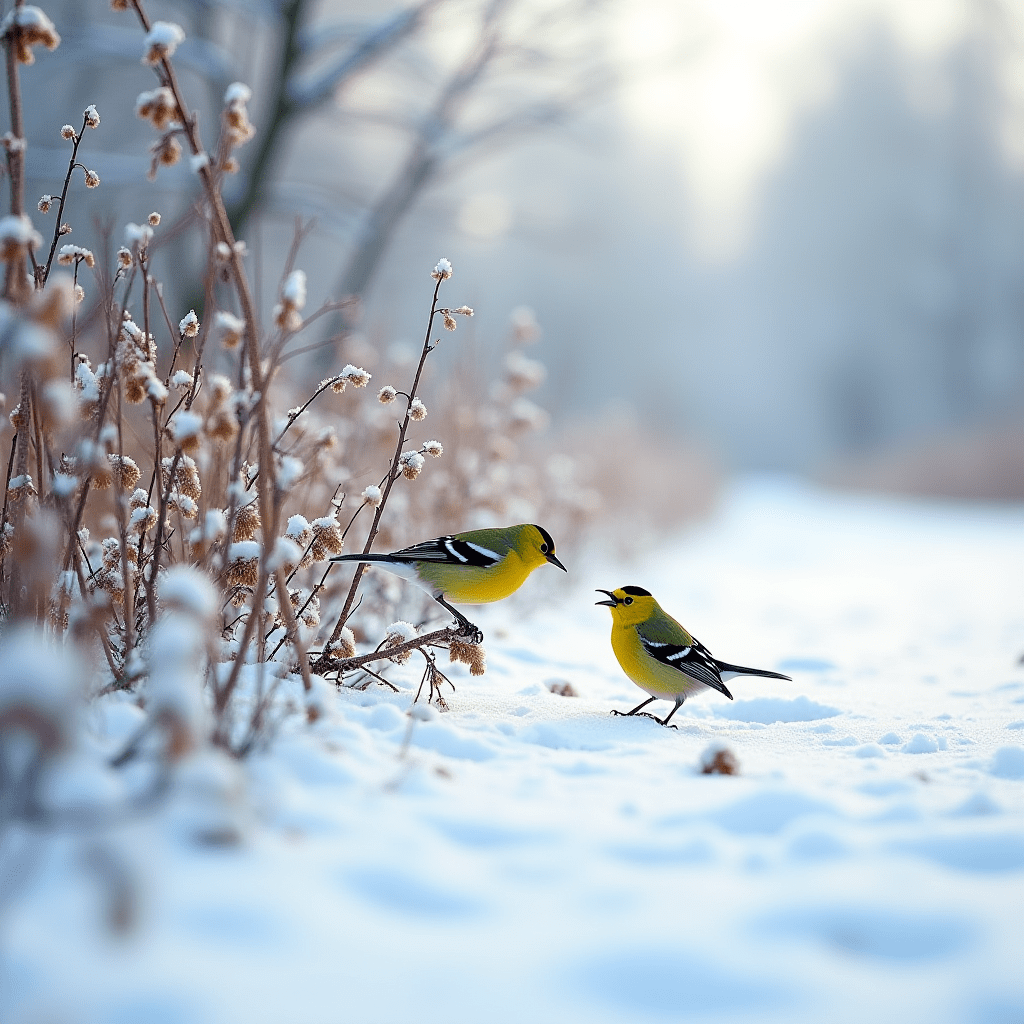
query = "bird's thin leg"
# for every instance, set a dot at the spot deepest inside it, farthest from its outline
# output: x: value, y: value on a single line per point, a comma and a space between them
x: 642, y: 704
x: 472, y: 633
x: 664, y: 721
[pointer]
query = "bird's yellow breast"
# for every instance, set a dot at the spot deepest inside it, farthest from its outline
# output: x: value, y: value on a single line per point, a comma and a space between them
x: 465, y: 584
x: 658, y: 679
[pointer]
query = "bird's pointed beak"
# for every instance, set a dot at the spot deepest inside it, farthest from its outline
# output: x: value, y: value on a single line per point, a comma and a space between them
x: 612, y: 603
x: 554, y: 561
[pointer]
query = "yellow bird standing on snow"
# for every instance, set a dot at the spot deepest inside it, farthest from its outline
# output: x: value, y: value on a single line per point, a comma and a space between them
x: 475, y: 567
x: 661, y: 657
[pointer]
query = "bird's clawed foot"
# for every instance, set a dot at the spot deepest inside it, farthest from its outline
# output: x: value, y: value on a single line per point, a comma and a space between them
x: 641, y: 714
x: 470, y: 633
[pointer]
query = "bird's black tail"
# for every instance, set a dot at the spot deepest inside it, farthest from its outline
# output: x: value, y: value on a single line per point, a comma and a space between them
x: 739, y: 670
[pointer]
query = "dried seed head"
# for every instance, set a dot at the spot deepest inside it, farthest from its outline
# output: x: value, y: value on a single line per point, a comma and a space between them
x: 67, y: 132
x: 398, y: 633
x: 433, y: 448
x: 357, y: 377
x: 189, y: 325
x: 68, y: 254
x: 243, y: 569
x: 239, y: 128
x: 229, y: 328
x: 17, y: 236
x: 25, y: 27
x: 411, y: 464
x: 442, y: 271
x: 44, y: 204
x: 157, y: 106
x: 386, y: 395
x: 247, y: 523
x: 161, y: 41
x: 417, y: 410
x: 450, y: 322
x: 124, y: 258
x: 464, y: 311
x: 92, y: 179
x: 344, y: 646
x: 79, y: 295
x: 125, y: 471
x: 92, y: 117
x: 327, y: 539
x: 372, y: 496
x: 472, y: 655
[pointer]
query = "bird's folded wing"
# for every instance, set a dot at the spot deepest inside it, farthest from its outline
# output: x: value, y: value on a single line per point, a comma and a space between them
x: 693, y: 660
x: 451, y: 551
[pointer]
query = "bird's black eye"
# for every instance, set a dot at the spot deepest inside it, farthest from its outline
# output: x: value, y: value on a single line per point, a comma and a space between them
x: 627, y: 600
x: 543, y: 549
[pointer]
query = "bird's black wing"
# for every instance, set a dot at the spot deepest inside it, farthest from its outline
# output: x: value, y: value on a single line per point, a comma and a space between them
x: 694, y: 661
x: 449, y: 550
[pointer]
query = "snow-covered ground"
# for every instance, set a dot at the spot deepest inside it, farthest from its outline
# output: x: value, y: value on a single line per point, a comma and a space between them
x: 532, y: 858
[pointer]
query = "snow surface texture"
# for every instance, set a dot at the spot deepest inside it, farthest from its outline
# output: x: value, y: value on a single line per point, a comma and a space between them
x: 531, y: 858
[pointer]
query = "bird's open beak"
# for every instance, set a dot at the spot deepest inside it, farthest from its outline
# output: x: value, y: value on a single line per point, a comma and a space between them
x: 554, y: 561
x: 612, y: 603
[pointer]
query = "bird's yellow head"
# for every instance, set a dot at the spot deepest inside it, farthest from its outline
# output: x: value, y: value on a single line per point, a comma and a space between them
x: 629, y: 605
x: 535, y: 546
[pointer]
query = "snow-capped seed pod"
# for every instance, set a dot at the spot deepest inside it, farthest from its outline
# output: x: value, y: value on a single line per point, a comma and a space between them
x: 158, y: 107
x: 433, y: 448
x: 68, y: 254
x: 243, y: 563
x: 142, y: 519
x: 236, y: 117
x: 417, y: 410
x: 411, y: 464
x: 464, y: 311
x: 387, y: 395
x: 67, y: 133
x: 398, y: 633
x: 372, y: 496
x: 111, y: 553
x: 442, y: 271
x: 189, y: 325
x: 344, y: 646
x: 327, y: 539
x: 214, y: 526
x: 247, y: 523
x: 21, y: 487
x: 92, y: 117
x: 182, y: 503
x: 450, y: 322
x: 28, y: 26
x: 228, y: 327
x: 124, y: 470
x: 124, y: 258
x: 185, y: 429
x: 356, y: 376
x: 44, y: 204
x: 92, y: 179
x: 161, y: 41
x: 154, y: 219
x: 17, y: 236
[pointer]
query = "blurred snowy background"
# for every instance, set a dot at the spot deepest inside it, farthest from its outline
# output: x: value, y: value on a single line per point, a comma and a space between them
x: 789, y: 232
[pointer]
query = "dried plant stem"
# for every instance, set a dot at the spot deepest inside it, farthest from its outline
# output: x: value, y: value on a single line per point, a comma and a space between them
x: 393, y: 474
x: 439, y: 638
x: 43, y: 271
